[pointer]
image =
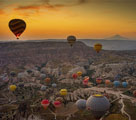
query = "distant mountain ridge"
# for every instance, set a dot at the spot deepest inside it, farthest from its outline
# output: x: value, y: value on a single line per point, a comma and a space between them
x: 116, y: 37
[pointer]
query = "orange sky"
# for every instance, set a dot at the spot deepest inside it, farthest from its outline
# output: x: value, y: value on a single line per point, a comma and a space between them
x: 83, y: 18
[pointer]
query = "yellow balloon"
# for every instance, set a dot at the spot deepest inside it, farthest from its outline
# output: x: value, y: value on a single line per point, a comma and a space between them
x: 79, y: 73
x: 12, y: 87
x: 98, y: 47
x: 63, y: 92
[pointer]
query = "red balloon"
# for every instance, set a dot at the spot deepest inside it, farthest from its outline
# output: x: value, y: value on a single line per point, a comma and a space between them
x: 57, y: 104
x: 98, y: 80
x: 74, y: 76
x: 45, y: 103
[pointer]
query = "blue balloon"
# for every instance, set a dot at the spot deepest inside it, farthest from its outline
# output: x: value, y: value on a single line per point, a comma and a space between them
x: 116, y: 83
x: 124, y: 84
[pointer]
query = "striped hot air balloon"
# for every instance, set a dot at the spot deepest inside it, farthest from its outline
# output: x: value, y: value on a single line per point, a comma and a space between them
x: 71, y: 40
x: 17, y: 26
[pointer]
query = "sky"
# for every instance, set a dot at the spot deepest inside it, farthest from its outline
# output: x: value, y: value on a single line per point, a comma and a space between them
x: 48, y: 19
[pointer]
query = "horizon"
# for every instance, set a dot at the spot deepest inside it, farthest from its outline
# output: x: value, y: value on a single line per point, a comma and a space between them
x: 86, y: 19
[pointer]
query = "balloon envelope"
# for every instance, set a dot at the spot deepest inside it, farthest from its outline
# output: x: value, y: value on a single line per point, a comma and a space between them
x: 79, y: 73
x: 71, y: 40
x: 17, y: 26
x: 116, y: 83
x: 12, y: 87
x: 81, y: 104
x: 57, y: 104
x: 74, y: 76
x: 54, y: 85
x: 98, y: 47
x: 43, y: 88
x: 98, y: 105
x: 45, y: 103
x: 63, y: 92
x: 124, y: 84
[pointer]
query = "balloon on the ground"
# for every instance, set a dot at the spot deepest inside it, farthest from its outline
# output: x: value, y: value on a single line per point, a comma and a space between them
x: 107, y: 82
x: 98, y: 80
x: 57, y: 104
x: 74, y: 76
x: 79, y: 73
x: 71, y: 40
x: 45, y: 103
x: 43, y: 88
x: 116, y: 83
x: 17, y: 26
x: 124, y: 84
x: 98, y: 105
x: 98, y: 47
x: 12, y: 87
x: 63, y: 92
x: 54, y: 85
x: 81, y: 104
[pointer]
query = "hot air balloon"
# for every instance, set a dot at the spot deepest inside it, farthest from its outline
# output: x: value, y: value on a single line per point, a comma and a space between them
x: 43, y: 88
x: 79, y: 73
x: 85, y: 82
x: 98, y: 47
x: 116, y: 83
x: 21, y: 85
x: 107, y: 82
x: 43, y: 76
x: 98, y: 80
x: 81, y: 104
x: 134, y: 93
x: 86, y: 78
x: 13, y: 73
x: 124, y: 84
x: 45, y: 103
x: 17, y: 26
x: 12, y: 88
x: 74, y: 76
x: 98, y: 105
x: 47, y: 80
x: 54, y: 85
x: 71, y: 40
x: 57, y: 104
x: 63, y: 92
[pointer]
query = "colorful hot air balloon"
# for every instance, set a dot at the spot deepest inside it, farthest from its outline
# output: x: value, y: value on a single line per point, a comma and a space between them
x: 124, y: 84
x: 63, y: 92
x: 12, y: 87
x: 47, y: 80
x: 17, y: 26
x: 98, y: 80
x: 74, y: 76
x: 107, y: 82
x: 98, y: 47
x: 81, y: 104
x: 57, y: 104
x: 45, y: 103
x: 79, y: 73
x: 98, y: 105
x: 85, y: 82
x: 116, y: 83
x: 71, y: 40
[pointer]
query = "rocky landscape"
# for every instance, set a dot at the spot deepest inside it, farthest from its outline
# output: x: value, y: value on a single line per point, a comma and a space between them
x: 30, y: 61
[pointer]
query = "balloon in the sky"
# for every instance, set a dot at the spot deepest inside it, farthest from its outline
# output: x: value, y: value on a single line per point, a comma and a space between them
x: 57, y: 104
x: 98, y: 105
x: 124, y: 84
x: 81, y: 104
x: 71, y: 40
x: 79, y: 73
x: 63, y: 92
x: 98, y: 47
x: 12, y: 87
x: 17, y: 26
x: 45, y: 103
